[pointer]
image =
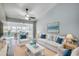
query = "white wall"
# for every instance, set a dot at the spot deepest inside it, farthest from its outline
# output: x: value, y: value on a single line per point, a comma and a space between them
x: 67, y: 14
x: 2, y: 13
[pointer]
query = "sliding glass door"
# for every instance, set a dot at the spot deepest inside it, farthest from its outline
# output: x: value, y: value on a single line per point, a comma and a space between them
x: 13, y: 27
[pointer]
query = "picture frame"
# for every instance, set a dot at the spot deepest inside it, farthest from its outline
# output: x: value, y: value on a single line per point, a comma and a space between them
x: 53, y: 27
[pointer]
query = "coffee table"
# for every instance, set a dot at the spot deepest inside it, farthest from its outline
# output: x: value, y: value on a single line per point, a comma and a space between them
x: 35, y: 51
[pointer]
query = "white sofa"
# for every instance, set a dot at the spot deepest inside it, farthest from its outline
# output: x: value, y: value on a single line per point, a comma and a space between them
x: 3, y: 51
x: 3, y: 47
x: 75, y: 52
x: 52, y: 45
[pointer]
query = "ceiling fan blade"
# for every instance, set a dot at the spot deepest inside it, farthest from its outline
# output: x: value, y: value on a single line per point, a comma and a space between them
x: 33, y: 17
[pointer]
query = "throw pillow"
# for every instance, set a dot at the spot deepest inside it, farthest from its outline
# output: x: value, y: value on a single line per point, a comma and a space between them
x: 67, y: 52
x: 59, y: 40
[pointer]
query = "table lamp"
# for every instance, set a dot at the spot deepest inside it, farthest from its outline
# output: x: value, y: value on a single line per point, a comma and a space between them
x: 69, y: 36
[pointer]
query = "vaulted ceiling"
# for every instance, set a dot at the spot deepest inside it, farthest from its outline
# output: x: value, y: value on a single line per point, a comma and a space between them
x: 17, y: 10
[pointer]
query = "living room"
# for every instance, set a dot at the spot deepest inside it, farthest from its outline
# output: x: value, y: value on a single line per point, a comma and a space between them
x: 27, y: 30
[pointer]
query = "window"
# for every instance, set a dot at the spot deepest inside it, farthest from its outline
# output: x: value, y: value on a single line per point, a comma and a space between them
x: 17, y: 27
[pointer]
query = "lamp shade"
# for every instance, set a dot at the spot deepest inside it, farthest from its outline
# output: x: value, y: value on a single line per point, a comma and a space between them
x: 69, y: 36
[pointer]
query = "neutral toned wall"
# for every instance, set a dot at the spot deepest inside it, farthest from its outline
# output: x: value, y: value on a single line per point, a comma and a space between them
x: 2, y: 12
x: 2, y: 18
x: 68, y: 16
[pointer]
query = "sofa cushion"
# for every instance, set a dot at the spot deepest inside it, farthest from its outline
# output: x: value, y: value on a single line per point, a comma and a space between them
x: 59, y: 40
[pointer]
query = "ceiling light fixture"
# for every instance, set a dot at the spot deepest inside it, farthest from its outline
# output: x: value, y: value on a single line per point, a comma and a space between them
x: 27, y: 16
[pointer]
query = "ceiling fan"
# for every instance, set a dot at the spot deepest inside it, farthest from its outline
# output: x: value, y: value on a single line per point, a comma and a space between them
x: 27, y: 16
